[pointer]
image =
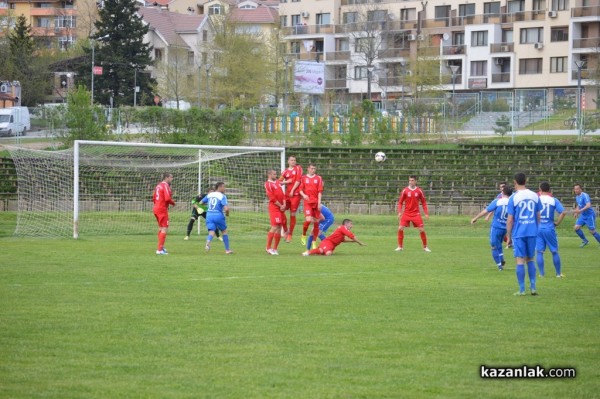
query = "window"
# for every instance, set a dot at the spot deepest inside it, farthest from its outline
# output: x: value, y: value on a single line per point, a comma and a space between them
x: 466, y: 9
x: 491, y: 8
x: 296, y: 20
x: 479, y: 38
x: 559, y: 5
x: 539, y: 5
x: 342, y: 45
x: 350, y: 17
x: 158, y: 55
x: 360, y: 72
x: 67, y: 4
x: 214, y: 9
x: 191, y: 58
x: 43, y: 22
x: 516, y: 6
x: 442, y: 12
x: 65, y: 21
x: 478, y: 68
x: 530, y: 66
x: 376, y: 15
x: 559, y: 34
x: 364, y: 44
x: 323, y: 19
x: 532, y: 35
x: 204, y: 35
x: 65, y: 42
x: 408, y: 14
x: 283, y: 21
x: 507, y: 36
x: 295, y: 47
x: 558, y: 64
x: 458, y: 38
x: 283, y: 1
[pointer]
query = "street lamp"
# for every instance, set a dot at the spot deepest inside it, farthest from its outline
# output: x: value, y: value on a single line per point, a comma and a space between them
x: 370, y: 69
x: 402, y: 73
x: 454, y: 69
x: 579, y: 64
x: 93, y: 42
x: 135, y: 87
x: 207, y: 67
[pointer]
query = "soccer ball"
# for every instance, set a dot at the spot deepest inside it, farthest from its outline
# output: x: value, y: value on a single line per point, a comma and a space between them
x: 380, y: 157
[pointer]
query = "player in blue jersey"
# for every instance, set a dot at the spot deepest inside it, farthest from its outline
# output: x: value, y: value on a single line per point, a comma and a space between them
x: 585, y: 215
x: 547, y: 231
x: 498, y: 228
x: 217, y: 209
x: 523, y: 209
x: 327, y: 220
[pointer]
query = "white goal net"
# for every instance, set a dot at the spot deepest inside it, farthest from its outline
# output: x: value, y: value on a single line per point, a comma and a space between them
x: 102, y: 188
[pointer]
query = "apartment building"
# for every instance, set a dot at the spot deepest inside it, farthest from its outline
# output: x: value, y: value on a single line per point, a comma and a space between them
x: 499, y: 46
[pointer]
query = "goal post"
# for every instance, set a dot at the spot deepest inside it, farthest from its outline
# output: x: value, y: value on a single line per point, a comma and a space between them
x: 106, y: 187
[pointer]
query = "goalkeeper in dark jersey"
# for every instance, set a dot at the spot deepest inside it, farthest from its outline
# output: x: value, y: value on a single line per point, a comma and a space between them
x: 198, y: 209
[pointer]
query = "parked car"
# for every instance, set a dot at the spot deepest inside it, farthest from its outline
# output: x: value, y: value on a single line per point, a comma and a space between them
x: 14, y: 121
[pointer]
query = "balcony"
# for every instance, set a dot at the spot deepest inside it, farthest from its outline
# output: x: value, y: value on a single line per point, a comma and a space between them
x: 501, y: 77
x: 588, y: 11
x: 336, y: 83
x: 394, y: 53
x: 591, y: 43
x: 392, y: 81
x: 585, y: 74
x: 502, y: 47
x: 447, y: 79
x: 337, y: 55
x: 52, y: 11
x: 453, y: 50
x: 387, y: 26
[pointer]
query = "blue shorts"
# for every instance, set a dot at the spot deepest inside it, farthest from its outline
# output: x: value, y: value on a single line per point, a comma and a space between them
x: 214, y: 222
x: 590, y: 221
x: 524, y: 247
x: 325, y: 224
x: 546, y: 238
x: 496, y: 237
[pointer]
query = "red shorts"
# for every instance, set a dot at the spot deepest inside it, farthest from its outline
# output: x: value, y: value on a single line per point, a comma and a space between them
x: 416, y: 220
x: 162, y: 218
x: 326, y: 246
x: 293, y: 203
x: 311, y: 209
x: 276, y: 216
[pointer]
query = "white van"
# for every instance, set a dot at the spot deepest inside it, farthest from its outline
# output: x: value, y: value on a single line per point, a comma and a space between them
x: 14, y: 121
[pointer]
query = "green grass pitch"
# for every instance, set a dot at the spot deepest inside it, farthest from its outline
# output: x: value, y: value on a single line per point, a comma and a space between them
x: 104, y: 317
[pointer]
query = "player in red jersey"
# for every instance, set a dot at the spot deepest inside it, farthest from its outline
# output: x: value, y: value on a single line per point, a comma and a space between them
x: 162, y: 199
x: 277, y: 207
x: 291, y: 177
x: 340, y: 235
x: 410, y: 197
x: 311, y: 190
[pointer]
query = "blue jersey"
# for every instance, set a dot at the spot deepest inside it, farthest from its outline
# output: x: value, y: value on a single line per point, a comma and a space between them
x: 582, y: 200
x: 524, y: 206
x: 498, y: 206
x: 216, y: 202
x: 550, y: 205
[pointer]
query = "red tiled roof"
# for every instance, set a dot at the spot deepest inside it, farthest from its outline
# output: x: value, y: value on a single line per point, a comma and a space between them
x: 169, y: 24
x: 259, y: 15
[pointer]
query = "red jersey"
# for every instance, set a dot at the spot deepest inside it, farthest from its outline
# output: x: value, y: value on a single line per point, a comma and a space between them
x: 312, y: 186
x: 162, y: 197
x: 411, y: 198
x: 295, y: 174
x: 274, y: 192
x: 337, y: 237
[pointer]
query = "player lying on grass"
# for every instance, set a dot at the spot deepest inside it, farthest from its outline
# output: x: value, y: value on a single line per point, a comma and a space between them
x: 340, y: 235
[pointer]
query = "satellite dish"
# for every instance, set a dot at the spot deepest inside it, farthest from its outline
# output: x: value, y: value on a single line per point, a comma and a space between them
x: 446, y: 36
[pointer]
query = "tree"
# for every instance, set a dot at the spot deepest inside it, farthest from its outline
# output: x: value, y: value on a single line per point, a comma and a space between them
x: 26, y: 64
x: 243, y: 69
x: 176, y: 75
x: 123, y: 55
x: 84, y: 121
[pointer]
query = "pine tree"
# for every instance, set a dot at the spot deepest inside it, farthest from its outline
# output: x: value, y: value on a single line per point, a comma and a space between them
x: 121, y: 54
